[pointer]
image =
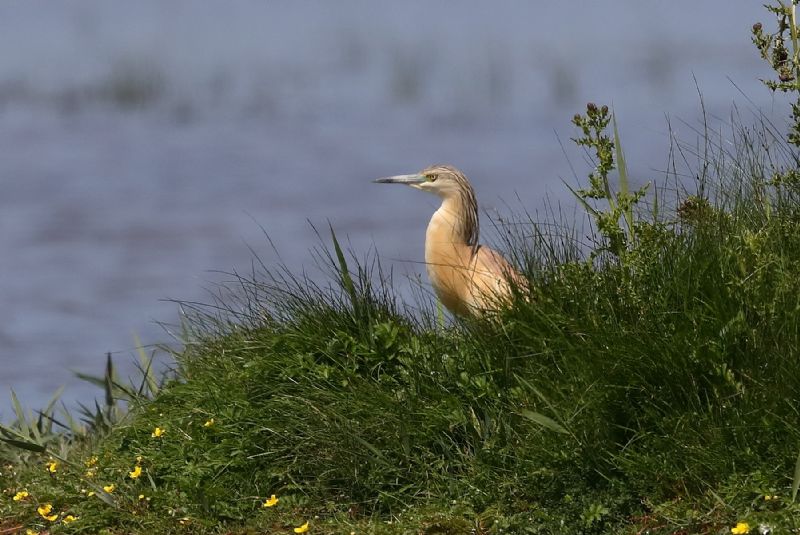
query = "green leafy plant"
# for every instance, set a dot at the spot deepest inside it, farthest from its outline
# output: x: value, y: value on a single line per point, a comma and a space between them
x: 616, y: 223
x: 781, y: 50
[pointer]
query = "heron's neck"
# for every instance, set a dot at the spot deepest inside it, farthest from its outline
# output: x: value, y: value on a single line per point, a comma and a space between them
x: 455, y: 222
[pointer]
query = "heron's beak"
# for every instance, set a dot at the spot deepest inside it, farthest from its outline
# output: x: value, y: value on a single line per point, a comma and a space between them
x: 408, y: 180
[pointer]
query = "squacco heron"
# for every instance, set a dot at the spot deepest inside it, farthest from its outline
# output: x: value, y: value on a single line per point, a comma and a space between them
x: 468, y: 278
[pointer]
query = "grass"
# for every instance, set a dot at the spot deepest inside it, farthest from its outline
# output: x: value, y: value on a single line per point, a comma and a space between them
x: 649, y: 383
x: 654, y: 387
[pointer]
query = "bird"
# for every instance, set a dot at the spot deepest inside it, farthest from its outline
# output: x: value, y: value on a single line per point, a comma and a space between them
x: 469, y: 279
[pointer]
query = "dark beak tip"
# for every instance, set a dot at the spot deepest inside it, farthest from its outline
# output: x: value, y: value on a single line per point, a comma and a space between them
x: 408, y: 180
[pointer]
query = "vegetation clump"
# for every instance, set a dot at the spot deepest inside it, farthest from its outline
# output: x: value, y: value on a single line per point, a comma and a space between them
x: 650, y: 383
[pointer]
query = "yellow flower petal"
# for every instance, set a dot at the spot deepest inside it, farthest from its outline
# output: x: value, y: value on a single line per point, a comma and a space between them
x: 90, y: 493
x: 302, y: 529
x: 91, y: 461
x: 52, y: 466
x: 21, y: 495
x: 137, y: 471
x: 69, y: 518
x: 271, y: 502
x: 45, y: 510
x: 31, y: 532
x: 209, y: 422
x: 109, y: 488
x: 741, y: 528
x: 158, y: 432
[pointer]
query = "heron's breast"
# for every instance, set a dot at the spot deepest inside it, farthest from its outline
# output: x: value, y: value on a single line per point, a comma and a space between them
x: 448, y: 263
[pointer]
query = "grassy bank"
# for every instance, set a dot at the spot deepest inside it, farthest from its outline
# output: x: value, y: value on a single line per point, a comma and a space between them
x: 647, y: 382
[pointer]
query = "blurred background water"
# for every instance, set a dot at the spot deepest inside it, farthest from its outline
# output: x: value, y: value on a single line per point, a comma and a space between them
x: 143, y: 143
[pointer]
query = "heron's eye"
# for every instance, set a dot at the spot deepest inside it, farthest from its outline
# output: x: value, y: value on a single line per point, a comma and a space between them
x: 431, y: 177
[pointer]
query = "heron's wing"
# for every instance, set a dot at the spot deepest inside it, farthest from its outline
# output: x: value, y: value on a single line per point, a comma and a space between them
x: 490, y: 262
x: 493, y: 276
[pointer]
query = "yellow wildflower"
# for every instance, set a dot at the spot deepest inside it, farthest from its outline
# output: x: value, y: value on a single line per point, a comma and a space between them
x: 69, y: 518
x: 52, y: 466
x: 90, y: 473
x: 91, y: 461
x: 741, y: 527
x: 139, y: 459
x: 209, y: 422
x: 141, y: 496
x: 158, y: 432
x: 137, y: 471
x: 90, y: 493
x: 271, y: 502
x: 21, y: 495
x: 45, y: 510
x: 109, y: 488
x: 302, y: 529
x: 29, y: 531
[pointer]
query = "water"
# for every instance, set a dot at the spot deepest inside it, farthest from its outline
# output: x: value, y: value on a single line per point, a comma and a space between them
x: 143, y: 143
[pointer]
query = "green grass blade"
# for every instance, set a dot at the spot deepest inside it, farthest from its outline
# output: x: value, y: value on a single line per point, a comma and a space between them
x: 375, y: 451
x: 544, y: 421
x: 146, y: 363
x: 796, y: 479
x: 108, y: 381
x: 585, y: 204
x: 101, y: 494
x: 655, y: 205
x: 24, y: 445
x: 624, y: 184
x: 46, y: 419
x: 344, y: 272
x: 19, y: 440
x: 539, y: 395
x: 622, y: 166
x: 53, y: 400
x: 93, y: 379
x: 795, y: 45
x: 440, y: 315
x: 22, y: 421
x: 75, y: 427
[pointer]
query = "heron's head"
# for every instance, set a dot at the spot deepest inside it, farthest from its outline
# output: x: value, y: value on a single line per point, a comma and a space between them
x: 443, y: 180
